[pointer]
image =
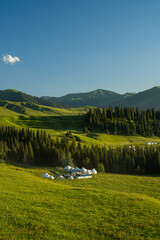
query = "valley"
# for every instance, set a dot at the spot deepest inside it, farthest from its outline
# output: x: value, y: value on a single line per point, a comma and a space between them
x: 107, y: 206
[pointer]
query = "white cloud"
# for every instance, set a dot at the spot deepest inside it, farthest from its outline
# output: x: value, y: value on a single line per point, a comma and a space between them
x: 9, y: 59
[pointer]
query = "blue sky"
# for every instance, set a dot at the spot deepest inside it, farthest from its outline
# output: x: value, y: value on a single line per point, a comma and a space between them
x: 67, y: 46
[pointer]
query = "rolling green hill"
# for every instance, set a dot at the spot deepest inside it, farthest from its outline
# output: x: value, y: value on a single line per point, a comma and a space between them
x: 143, y: 100
x: 56, y: 121
x: 57, y: 126
x: 97, y: 98
x: 17, y: 96
x: 26, y: 108
x: 109, y: 206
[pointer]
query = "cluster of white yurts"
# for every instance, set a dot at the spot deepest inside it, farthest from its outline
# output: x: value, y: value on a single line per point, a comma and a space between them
x: 76, y: 173
x: 82, y: 170
x: 46, y: 175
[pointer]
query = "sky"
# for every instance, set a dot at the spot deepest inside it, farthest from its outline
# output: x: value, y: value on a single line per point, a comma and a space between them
x: 56, y: 47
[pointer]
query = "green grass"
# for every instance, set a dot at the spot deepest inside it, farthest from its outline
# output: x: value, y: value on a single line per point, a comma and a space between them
x: 58, y: 125
x: 112, y: 140
x: 13, y: 108
x: 106, y: 207
x: 56, y: 121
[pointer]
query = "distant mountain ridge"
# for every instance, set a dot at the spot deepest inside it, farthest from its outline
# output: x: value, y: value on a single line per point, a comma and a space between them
x: 102, y: 98
x: 143, y: 100
x: 17, y: 96
x: 97, y: 98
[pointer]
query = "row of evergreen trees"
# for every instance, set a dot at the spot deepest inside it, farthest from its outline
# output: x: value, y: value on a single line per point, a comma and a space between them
x: 127, y: 121
x: 27, y: 146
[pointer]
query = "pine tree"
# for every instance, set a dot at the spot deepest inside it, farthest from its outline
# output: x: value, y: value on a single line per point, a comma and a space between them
x: 22, y: 153
x: 30, y: 159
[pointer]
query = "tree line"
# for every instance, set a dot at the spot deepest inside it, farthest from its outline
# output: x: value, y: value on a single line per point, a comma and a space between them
x: 38, y: 148
x: 125, y: 120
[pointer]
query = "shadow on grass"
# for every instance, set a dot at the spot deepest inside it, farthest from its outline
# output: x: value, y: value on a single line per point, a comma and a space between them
x: 93, y: 135
x: 12, y: 107
x: 53, y: 122
x: 26, y: 166
x: 52, y: 169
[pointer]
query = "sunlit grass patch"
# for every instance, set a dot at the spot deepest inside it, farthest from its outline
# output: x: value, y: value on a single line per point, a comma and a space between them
x: 109, y: 206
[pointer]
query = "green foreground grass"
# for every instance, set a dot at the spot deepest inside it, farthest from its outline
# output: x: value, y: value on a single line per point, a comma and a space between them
x: 106, y: 207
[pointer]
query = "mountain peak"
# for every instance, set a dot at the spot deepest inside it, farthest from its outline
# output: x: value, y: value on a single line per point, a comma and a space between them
x: 96, y: 98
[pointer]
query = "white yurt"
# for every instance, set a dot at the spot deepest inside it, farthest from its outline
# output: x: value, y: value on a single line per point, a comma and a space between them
x: 76, y: 169
x: 51, y: 177
x: 88, y: 172
x: 60, y: 177
x: 45, y: 175
x: 93, y: 171
x: 67, y: 168
x: 70, y: 178
x: 67, y: 175
x: 83, y: 169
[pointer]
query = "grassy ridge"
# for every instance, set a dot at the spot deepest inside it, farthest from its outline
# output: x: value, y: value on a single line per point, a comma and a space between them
x: 105, y: 207
x: 56, y: 121
x: 58, y: 125
x: 17, y: 96
x: 12, y: 108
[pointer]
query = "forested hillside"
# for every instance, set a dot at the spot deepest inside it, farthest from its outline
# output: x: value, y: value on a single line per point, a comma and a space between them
x: 102, y: 98
x: 143, y: 100
x: 127, y: 121
x: 97, y: 98
x: 38, y: 148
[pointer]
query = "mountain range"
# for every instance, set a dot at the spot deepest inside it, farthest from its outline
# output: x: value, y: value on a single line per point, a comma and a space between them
x: 99, y: 98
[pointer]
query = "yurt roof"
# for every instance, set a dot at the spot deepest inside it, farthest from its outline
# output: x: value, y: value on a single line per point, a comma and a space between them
x: 67, y: 167
x: 71, y: 177
x: 46, y: 175
x: 60, y: 177
x: 83, y: 169
x: 76, y: 169
x: 51, y: 177
x: 94, y: 171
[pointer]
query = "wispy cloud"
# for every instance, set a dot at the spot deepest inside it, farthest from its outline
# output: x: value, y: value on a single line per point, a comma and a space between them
x: 9, y: 59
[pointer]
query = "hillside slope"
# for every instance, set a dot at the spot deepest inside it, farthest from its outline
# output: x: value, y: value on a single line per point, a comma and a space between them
x: 27, y: 108
x: 17, y: 96
x: 57, y: 126
x: 143, y: 100
x: 109, y: 206
x: 97, y: 98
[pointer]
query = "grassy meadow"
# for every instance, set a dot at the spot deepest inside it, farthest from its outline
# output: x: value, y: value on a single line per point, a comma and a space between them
x: 57, y: 126
x: 109, y: 206
x: 16, y: 108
